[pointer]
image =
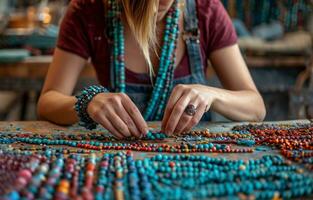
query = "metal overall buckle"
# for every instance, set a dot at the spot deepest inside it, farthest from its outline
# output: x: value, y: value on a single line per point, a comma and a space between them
x: 193, y: 34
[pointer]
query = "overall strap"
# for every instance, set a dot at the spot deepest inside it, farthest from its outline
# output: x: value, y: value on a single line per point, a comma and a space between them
x: 191, y: 36
x: 113, y: 77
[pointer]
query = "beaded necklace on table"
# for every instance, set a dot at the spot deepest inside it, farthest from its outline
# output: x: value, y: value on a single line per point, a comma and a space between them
x: 197, y: 141
x: 164, y: 79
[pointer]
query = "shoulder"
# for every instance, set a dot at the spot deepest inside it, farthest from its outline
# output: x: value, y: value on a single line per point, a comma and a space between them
x: 88, y: 9
x: 85, y: 5
x: 215, y: 24
x: 209, y: 4
x: 209, y: 8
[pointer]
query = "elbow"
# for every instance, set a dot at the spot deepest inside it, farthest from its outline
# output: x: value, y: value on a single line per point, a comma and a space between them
x: 40, y: 109
x: 260, y: 111
x: 260, y: 115
x: 48, y: 109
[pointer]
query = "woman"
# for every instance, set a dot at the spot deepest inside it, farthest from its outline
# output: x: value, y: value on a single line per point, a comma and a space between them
x: 151, y: 56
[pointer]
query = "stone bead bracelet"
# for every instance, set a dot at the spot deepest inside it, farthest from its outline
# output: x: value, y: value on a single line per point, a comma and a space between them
x: 81, y: 105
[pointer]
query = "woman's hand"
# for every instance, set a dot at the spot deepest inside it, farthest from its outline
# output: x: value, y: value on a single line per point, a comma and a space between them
x: 118, y: 114
x: 175, y: 119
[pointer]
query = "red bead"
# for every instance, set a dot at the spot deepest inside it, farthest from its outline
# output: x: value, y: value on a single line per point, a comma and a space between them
x: 26, y: 174
x: 172, y: 164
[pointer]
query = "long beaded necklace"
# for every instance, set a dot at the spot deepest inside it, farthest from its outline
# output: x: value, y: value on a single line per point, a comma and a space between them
x: 164, y: 79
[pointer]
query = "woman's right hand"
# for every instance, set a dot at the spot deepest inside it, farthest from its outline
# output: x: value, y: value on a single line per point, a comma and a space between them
x: 118, y: 114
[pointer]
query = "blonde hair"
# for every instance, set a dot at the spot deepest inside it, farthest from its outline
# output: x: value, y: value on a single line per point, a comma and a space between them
x: 140, y: 15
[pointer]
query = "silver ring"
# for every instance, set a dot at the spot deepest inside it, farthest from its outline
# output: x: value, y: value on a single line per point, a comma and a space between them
x: 191, y: 110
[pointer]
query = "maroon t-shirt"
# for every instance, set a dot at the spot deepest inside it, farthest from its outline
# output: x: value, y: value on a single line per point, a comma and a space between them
x: 82, y: 33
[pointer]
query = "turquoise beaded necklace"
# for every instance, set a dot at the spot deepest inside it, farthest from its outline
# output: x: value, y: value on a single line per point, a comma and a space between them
x: 164, y: 79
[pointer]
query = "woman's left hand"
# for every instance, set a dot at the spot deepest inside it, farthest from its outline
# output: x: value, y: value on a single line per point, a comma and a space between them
x: 176, y: 120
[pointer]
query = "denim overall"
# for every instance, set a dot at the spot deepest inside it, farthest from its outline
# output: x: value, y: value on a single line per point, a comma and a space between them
x: 140, y: 93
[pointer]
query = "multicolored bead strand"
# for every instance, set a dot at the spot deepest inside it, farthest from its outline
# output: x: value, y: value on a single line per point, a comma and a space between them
x: 192, y: 142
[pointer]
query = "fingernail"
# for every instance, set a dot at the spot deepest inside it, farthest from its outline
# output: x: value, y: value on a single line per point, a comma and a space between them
x: 142, y: 135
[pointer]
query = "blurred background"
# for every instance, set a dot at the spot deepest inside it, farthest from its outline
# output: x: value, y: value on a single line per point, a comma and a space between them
x: 275, y: 36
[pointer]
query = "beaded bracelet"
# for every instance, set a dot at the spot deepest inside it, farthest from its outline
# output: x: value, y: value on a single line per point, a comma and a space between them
x: 83, y: 100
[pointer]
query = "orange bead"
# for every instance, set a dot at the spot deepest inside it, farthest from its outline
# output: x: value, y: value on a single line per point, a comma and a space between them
x: 64, y: 183
x: 90, y: 167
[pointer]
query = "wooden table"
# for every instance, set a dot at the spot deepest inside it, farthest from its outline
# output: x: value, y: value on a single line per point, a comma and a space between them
x: 29, y: 75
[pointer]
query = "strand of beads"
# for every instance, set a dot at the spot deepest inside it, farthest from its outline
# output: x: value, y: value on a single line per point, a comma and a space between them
x: 246, y: 142
x: 184, y: 147
x: 166, y: 59
x: 47, y: 189
x: 174, y: 34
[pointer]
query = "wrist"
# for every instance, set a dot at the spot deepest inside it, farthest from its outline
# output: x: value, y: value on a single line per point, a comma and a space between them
x: 81, y: 105
x: 211, y: 94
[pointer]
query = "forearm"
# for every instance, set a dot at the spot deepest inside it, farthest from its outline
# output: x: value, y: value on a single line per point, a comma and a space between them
x: 244, y: 105
x: 57, y: 108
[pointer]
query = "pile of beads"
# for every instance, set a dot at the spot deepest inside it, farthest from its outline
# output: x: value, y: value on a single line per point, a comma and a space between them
x: 295, y: 141
x: 120, y: 176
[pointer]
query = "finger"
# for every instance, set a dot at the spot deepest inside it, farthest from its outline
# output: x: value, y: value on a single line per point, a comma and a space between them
x: 128, y: 121
x: 185, y: 119
x: 118, y: 123
x: 174, y: 97
x: 109, y: 126
x: 176, y: 114
x: 196, y: 119
x: 135, y: 115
